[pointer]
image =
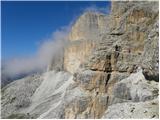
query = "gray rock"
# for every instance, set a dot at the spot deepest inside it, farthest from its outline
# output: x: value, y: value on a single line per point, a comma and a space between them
x: 17, y: 95
x: 131, y: 110
x: 136, y: 88
x: 103, y: 77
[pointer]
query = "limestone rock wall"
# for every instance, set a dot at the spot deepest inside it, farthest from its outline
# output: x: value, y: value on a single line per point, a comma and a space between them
x: 88, y: 26
x: 119, y: 54
x: 113, y: 64
x: 83, y: 37
x: 76, y: 53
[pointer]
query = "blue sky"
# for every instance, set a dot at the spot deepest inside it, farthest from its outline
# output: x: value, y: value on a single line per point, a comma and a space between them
x: 26, y: 24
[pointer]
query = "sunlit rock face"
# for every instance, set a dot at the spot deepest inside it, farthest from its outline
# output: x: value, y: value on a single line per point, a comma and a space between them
x: 136, y: 21
x: 88, y: 26
x: 111, y: 69
x: 76, y: 53
x: 120, y: 53
x: 83, y: 37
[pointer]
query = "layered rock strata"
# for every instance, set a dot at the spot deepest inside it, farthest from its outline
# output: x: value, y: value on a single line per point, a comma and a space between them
x: 111, y: 69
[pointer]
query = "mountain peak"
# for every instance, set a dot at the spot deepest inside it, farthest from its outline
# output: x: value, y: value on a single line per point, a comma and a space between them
x: 109, y: 69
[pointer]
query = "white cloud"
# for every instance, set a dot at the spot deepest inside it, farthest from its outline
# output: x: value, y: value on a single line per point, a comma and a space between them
x: 94, y: 8
x: 46, y: 52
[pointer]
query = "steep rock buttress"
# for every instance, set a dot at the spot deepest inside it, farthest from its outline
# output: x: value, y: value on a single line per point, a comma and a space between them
x: 108, y: 70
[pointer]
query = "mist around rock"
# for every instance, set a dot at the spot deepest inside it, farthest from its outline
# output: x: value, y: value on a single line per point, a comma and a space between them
x: 48, y: 50
x: 108, y: 68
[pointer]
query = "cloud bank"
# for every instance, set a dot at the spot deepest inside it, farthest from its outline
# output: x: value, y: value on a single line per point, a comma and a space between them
x: 46, y: 52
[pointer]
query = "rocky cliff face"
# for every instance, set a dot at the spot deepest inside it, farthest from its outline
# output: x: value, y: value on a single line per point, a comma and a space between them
x: 83, y: 37
x: 111, y: 70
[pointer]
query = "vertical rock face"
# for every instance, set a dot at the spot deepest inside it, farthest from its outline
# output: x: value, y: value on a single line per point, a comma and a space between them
x: 112, y: 62
x: 76, y: 53
x: 83, y: 37
x: 88, y: 26
x: 120, y: 52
